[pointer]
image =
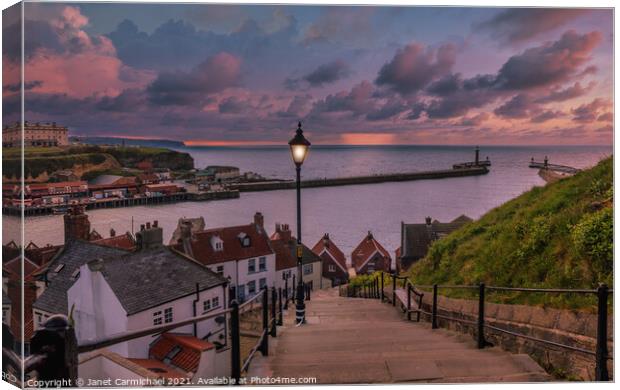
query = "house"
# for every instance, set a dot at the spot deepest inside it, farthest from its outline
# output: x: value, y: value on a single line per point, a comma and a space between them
x: 16, y: 280
x: 242, y: 254
x: 334, y: 261
x: 416, y: 238
x: 369, y: 256
x: 161, y: 189
x: 112, y: 186
x: 60, y: 274
x: 56, y: 193
x: 151, y: 286
x: 285, y: 247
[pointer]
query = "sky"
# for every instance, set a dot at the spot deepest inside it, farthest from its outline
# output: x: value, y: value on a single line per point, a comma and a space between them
x: 246, y: 74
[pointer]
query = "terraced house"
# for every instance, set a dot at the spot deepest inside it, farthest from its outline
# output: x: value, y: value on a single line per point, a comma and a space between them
x: 370, y: 256
x: 242, y: 254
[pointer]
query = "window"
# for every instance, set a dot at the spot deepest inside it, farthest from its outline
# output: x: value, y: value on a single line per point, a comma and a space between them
x: 59, y: 268
x: 262, y: 282
x: 76, y: 273
x: 157, y: 318
x: 218, y: 246
x: 220, y: 269
x: 332, y: 268
x: 168, y: 315
x: 173, y: 352
x: 251, y: 266
x: 307, y: 269
x: 215, y: 302
x: 262, y: 264
x: 252, y: 287
x: 206, y: 305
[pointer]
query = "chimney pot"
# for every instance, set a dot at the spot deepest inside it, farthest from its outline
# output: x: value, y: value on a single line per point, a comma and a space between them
x: 428, y: 220
x: 141, y: 227
x: 155, y: 223
x: 112, y: 232
x: 259, y: 220
x: 148, y: 225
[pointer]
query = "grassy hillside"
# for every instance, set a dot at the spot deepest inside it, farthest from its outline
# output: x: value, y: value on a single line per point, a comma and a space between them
x: 559, y: 235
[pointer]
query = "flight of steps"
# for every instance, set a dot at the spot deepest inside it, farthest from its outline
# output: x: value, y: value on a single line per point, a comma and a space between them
x: 354, y: 340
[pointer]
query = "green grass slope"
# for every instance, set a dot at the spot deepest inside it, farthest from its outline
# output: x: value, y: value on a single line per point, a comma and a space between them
x: 559, y: 235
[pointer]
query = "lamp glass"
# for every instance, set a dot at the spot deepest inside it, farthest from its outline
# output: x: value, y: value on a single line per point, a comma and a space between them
x: 299, y: 153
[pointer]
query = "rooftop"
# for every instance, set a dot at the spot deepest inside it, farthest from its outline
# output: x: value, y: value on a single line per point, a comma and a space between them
x: 364, y: 251
x: 186, y: 350
x: 148, y: 278
x: 325, y: 244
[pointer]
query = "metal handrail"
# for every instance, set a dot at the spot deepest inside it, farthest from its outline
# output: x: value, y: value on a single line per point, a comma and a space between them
x: 602, y: 292
x: 257, y: 346
x: 251, y: 300
x: 92, y: 345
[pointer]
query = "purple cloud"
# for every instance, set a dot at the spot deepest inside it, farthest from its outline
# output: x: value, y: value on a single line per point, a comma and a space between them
x: 516, y: 25
x: 415, y: 66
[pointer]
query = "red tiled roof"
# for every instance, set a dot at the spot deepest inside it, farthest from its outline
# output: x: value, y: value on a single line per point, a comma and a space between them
x: 56, y: 185
x: 332, y: 249
x: 14, y: 267
x: 158, y: 368
x: 203, y: 251
x: 124, y: 241
x: 188, y: 357
x: 365, y: 250
x: 14, y: 292
x: 42, y: 255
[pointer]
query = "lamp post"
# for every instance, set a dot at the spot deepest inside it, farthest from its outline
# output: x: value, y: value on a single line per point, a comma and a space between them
x: 299, y: 150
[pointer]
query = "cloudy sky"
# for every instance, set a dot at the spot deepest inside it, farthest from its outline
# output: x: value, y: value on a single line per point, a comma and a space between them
x: 226, y: 74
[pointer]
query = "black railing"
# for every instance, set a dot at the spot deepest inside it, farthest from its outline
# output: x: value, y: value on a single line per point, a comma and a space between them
x: 369, y: 289
x: 602, y: 292
x: 54, y: 347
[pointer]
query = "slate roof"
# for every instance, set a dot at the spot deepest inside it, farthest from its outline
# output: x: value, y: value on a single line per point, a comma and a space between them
x: 148, y: 278
x: 286, y: 254
x: 326, y: 244
x: 74, y: 254
x: 417, y: 237
x: 362, y: 253
x: 203, y: 251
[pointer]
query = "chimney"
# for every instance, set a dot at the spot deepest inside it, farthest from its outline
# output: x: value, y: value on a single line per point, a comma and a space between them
x: 77, y: 225
x: 369, y: 236
x: 428, y: 220
x: 149, y: 237
x: 259, y: 220
x: 326, y: 240
x: 112, y: 232
x: 285, y: 232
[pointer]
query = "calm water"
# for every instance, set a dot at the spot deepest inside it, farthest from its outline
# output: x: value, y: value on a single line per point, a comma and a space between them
x: 347, y: 213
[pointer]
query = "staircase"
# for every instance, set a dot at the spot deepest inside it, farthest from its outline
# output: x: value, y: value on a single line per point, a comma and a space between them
x: 354, y: 340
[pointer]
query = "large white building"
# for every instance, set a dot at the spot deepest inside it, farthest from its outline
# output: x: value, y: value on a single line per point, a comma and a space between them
x: 35, y: 134
x: 242, y: 254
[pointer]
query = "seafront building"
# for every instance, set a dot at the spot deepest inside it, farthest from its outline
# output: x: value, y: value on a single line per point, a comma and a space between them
x: 35, y: 134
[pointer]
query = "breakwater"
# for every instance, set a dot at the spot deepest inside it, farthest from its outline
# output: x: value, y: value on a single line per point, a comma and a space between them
x: 343, y: 181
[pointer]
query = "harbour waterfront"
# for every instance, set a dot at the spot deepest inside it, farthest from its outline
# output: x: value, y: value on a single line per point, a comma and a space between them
x: 348, y: 212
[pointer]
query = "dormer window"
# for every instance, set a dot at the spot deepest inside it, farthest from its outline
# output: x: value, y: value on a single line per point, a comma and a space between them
x: 244, y: 239
x: 217, y: 244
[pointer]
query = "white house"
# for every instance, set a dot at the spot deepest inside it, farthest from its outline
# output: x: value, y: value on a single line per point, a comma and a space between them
x: 152, y: 286
x: 242, y: 254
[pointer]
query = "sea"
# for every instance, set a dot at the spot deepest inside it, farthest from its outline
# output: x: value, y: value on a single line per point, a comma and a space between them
x: 347, y: 213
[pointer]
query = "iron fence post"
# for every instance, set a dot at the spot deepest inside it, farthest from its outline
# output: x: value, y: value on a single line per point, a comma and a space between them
x: 434, y: 311
x: 481, y: 341
x: 393, y: 289
x: 382, y: 294
x: 408, y: 302
x: 274, y: 331
x: 235, y: 336
x: 309, y: 289
x: 286, y: 294
x: 280, y: 321
x: 601, y: 373
x: 264, y: 347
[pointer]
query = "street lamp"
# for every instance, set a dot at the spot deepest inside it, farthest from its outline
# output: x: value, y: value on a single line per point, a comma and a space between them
x: 299, y: 150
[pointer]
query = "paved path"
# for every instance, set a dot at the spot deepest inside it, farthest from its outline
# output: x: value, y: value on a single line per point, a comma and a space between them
x: 354, y: 340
